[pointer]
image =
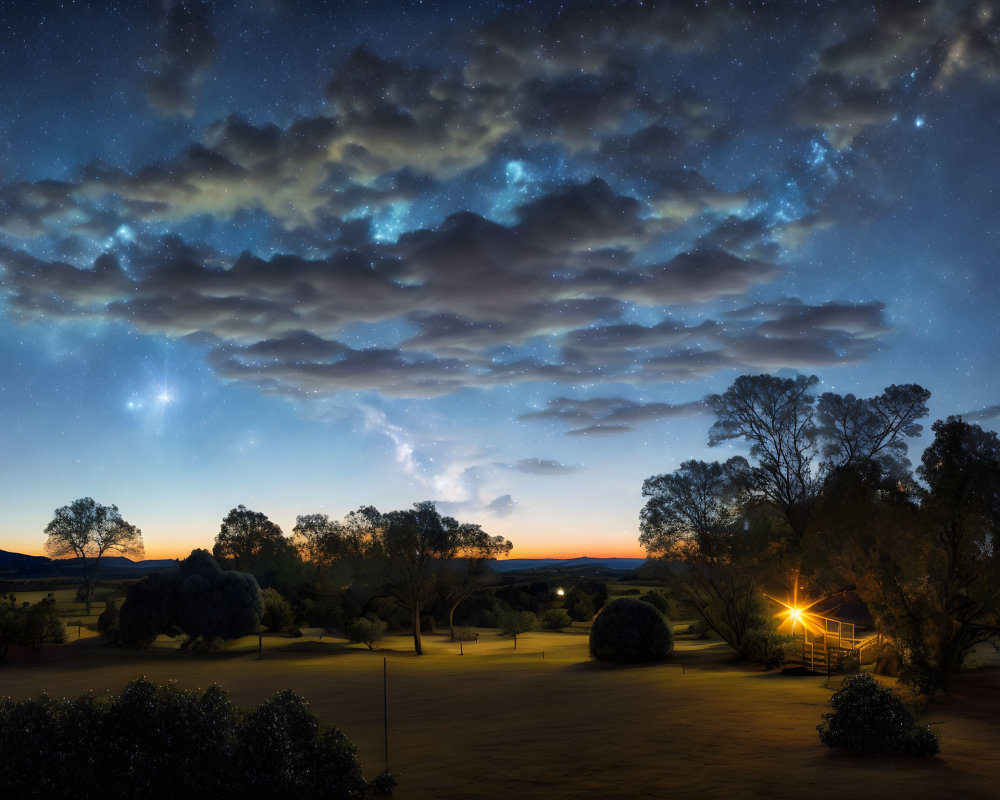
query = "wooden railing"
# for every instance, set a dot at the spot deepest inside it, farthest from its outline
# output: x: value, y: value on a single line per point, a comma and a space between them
x: 825, y: 653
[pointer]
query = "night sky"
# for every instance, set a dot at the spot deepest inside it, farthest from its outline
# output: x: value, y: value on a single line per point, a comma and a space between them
x: 307, y: 258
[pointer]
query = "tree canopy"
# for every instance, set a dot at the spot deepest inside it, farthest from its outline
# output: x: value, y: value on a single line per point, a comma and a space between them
x: 247, y: 539
x: 200, y: 599
x: 87, y: 530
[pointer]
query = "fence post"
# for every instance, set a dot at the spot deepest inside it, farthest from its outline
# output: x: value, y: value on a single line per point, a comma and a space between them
x: 385, y: 707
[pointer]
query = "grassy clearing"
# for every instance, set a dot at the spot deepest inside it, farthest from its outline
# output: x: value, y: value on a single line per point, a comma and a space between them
x: 500, y: 722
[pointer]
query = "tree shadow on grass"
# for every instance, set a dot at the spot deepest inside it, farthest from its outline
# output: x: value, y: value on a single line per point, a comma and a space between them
x: 714, y: 657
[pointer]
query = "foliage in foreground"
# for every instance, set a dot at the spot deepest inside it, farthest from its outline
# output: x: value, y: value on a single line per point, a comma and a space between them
x: 630, y: 631
x: 869, y: 720
x: 162, y: 741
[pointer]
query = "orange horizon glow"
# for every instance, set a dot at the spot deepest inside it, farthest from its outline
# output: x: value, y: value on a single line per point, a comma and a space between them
x: 161, y: 554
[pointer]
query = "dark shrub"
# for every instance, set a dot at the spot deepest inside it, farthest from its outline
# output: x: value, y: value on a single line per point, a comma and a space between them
x: 656, y: 599
x: 765, y: 647
x: 664, y: 604
x: 869, y: 720
x: 200, y: 599
x: 555, y: 619
x: 107, y: 623
x: 630, y: 631
x: 161, y: 741
x: 277, y: 613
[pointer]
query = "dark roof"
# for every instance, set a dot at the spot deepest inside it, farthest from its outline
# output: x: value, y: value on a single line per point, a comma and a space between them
x: 844, y: 606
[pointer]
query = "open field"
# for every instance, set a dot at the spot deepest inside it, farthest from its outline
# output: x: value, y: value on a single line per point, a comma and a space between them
x: 499, y: 722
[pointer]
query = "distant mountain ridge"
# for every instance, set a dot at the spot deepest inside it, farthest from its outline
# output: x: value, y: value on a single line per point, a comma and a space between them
x: 21, y: 565
x: 510, y: 564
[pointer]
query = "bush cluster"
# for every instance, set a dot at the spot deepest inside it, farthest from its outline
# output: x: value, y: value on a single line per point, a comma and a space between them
x: 28, y: 625
x: 868, y: 719
x: 765, y: 647
x: 276, y: 614
x: 199, y: 599
x: 630, y: 631
x: 154, y: 741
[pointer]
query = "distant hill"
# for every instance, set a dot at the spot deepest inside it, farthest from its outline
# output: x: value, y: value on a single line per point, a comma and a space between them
x: 18, y: 565
x: 511, y: 564
x: 10, y: 560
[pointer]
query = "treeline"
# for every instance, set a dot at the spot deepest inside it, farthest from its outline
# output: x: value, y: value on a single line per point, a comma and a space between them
x: 371, y: 571
x: 829, y: 495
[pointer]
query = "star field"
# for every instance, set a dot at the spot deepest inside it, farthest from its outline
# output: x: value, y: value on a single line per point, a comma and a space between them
x: 306, y: 257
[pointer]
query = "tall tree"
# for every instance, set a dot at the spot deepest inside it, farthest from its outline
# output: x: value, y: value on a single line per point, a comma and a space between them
x: 799, y: 443
x: 931, y: 573
x: 775, y: 415
x: 248, y: 540
x: 855, y: 430
x: 468, y: 570
x: 87, y: 530
x: 414, y: 543
x: 698, y: 514
x: 345, y: 556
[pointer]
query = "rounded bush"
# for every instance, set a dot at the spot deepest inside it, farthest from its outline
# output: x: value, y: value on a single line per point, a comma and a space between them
x: 630, y: 631
x: 868, y: 719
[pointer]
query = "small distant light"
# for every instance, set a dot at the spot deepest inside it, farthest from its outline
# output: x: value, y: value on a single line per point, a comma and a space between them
x: 919, y: 122
x: 560, y: 592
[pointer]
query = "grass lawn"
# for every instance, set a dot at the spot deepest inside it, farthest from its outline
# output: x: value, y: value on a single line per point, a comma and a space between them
x: 503, y: 723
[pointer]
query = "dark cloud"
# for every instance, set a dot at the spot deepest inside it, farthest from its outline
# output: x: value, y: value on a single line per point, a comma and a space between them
x: 540, y: 466
x: 608, y: 415
x: 983, y: 414
x: 864, y: 79
x: 601, y: 430
x: 501, y: 506
x: 579, y: 217
x: 587, y: 37
x: 842, y: 109
x: 182, y: 56
x: 543, y: 282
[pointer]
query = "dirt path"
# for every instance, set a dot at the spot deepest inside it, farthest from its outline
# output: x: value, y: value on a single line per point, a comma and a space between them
x: 496, y: 722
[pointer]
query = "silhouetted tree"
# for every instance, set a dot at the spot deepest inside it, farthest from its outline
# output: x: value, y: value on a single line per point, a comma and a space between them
x: 788, y: 433
x: 249, y: 541
x: 414, y: 543
x: 200, y: 599
x: 468, y: 570
x: 698, y: 514
x: 346, y: 559
x: 936, y: 588
x: 858, y: 430
x: 775, y: 416
x: 87, y: 530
